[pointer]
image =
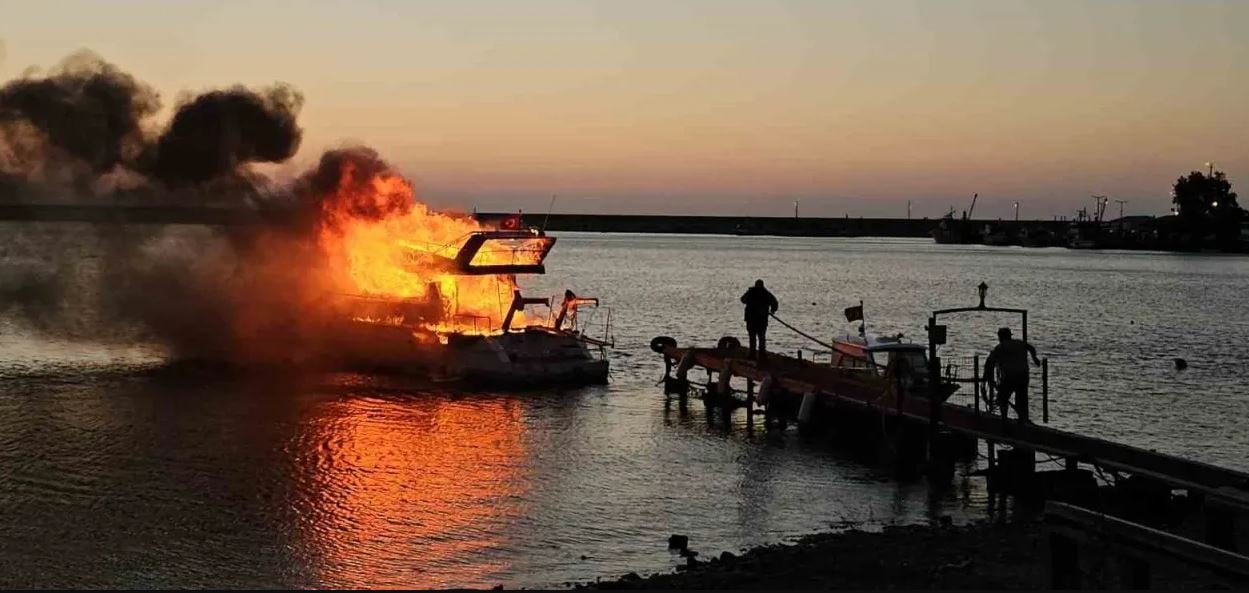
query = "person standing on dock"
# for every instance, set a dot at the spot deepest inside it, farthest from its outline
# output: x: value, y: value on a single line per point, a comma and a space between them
x: 1011, y: 356
x: 759, y: 305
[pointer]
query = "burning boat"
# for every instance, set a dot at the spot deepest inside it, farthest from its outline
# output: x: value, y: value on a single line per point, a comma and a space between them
x: 370, y: 278
x: 439, y: 335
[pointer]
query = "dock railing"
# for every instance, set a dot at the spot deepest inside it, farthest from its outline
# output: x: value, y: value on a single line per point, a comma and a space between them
x: 1133, y: 547
x: 981, y: 399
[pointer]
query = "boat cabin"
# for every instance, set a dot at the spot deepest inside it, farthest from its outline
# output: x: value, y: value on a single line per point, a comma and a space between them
x: 878, y: 354
x: 485, y: 253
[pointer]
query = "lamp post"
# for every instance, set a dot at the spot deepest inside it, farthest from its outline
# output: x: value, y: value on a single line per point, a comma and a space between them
x: 982, y: 290
x: 1016, y: 211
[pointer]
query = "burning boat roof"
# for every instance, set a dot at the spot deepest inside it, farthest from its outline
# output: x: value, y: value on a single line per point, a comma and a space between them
x: 489, y: 252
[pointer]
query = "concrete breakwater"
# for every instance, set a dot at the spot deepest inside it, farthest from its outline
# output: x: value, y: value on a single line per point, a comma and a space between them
x: 725, y: 225
x: 604, y: 223
x: 600, y: 223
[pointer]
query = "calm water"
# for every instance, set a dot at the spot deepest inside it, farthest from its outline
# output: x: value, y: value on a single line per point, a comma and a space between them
x: 118, y: 471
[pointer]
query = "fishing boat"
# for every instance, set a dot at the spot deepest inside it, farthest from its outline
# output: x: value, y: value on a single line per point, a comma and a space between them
x: 958, y: 231
x: 877, y: 353
x: 888, y: 359
x: 428, y: 335
x: 955, y: 231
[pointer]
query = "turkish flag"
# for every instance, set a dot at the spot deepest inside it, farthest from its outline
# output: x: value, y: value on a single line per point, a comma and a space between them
x: 511, y: 223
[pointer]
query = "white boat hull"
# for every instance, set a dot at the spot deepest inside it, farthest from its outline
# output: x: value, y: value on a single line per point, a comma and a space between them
x: 533, y: 357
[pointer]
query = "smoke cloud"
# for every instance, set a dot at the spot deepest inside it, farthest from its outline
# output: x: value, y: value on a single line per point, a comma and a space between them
x: 86, y: 123
x: 359, y: 182
x: 82, y: 119
x: 215, y: 133
x: 85, y: 131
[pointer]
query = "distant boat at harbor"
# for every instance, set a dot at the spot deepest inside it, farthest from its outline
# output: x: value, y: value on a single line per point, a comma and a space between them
x: 955, y: 231
x: 1154, y: 233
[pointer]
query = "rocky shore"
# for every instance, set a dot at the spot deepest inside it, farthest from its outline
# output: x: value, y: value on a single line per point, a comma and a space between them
x: 984, y: 555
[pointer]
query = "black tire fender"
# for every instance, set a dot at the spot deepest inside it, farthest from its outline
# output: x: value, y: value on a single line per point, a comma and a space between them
x: 728, y: 342
x: 661, y: 343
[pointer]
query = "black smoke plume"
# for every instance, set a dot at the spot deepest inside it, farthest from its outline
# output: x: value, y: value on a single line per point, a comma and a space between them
x: 346, y: 175
x: 85, y: 108
x: 76, y: 133
x: 215, y: 133
x: 86, y: 120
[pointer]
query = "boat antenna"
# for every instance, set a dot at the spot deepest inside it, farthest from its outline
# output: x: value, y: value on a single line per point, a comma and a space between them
x: 549, y: 207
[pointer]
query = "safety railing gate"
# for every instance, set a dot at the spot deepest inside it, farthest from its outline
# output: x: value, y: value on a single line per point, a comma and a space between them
x: 969, y: 371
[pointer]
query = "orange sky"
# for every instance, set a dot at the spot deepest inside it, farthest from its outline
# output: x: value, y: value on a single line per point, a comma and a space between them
x: 719, y: 107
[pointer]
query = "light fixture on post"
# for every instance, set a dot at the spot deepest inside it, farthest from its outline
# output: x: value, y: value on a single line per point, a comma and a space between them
x: 982, y: 289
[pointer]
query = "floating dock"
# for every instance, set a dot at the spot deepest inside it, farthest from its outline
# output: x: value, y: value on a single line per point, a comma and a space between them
x: 903, y: 414
x: 836, y: 389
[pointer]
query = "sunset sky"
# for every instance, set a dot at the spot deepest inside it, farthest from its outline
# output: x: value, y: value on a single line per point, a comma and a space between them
x: 717, y: 107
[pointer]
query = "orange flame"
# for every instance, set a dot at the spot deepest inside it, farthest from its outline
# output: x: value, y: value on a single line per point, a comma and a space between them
x: 379, y: 241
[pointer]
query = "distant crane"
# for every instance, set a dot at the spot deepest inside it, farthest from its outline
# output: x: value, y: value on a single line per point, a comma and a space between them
x: 1121, y: 203
x: 973, y: 206
x: 1099, y: 207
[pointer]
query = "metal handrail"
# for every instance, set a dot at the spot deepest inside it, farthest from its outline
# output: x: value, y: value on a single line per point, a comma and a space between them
x: 1141, y: 538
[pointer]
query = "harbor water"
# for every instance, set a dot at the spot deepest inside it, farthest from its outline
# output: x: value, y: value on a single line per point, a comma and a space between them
x: 118, y: 469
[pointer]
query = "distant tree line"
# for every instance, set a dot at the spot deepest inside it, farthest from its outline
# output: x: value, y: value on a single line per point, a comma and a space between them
x: 1206, y: 209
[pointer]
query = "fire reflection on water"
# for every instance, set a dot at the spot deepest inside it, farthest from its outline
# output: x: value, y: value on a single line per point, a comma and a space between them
x: 412, y: 495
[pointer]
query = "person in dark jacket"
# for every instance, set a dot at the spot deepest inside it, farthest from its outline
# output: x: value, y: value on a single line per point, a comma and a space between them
x: 1011, y: 356
x: 759, y: 305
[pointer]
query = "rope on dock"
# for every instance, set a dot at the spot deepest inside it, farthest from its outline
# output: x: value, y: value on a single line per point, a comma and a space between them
x: 800, y: 332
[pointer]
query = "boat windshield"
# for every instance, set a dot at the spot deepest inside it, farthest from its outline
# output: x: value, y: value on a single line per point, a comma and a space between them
x: 525, y: 250
x: 911, y: 361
